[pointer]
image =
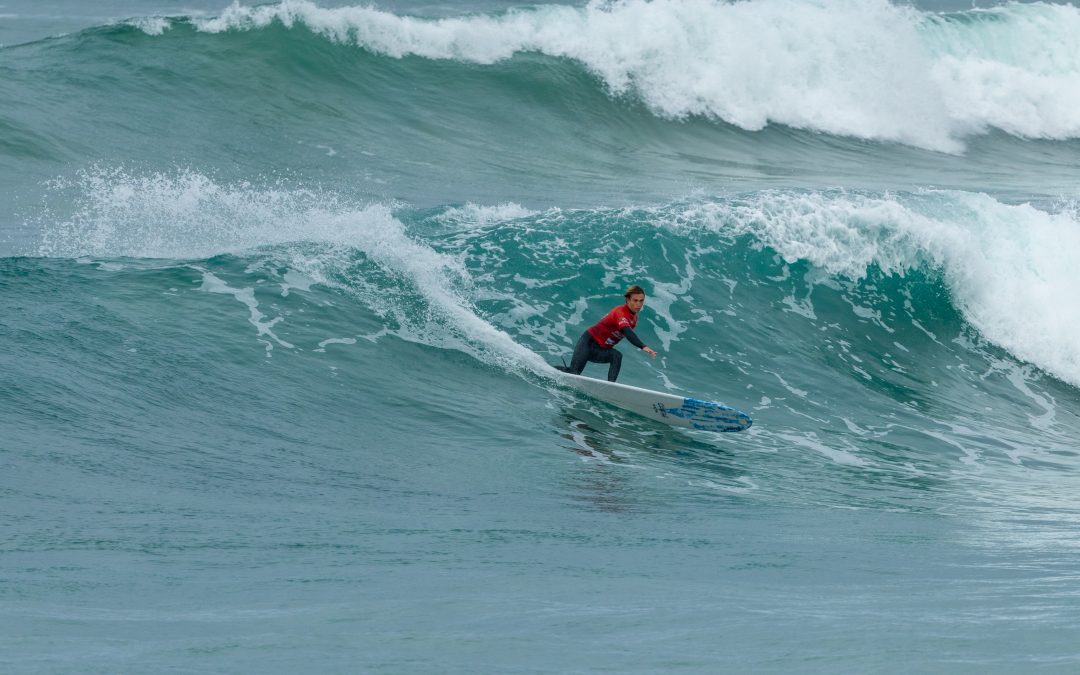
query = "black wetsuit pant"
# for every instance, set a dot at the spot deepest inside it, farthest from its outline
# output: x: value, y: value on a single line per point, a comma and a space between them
x: 588, y: 350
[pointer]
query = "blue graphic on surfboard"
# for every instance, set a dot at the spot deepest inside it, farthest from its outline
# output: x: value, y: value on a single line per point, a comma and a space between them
x: 678, y: 411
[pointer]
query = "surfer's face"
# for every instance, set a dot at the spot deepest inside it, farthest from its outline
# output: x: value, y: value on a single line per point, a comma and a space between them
x: 636, y: 302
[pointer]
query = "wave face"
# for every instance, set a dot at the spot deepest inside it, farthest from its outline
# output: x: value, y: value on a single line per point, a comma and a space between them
x: 1006, y: 268
x: 279, y: 285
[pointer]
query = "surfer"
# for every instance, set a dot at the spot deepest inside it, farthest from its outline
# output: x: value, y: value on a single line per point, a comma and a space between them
x: 597, y: 344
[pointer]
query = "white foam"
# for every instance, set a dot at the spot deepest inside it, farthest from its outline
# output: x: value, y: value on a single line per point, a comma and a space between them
x: 479, y: 215
x: 293, y: 279
x: 151, y: 25
x: 1017, y: 69
x: 1011, y: 268
x: 810, y: 440
x: 863, y: 68
x: 334, y: 341
x: 212, y: 284
x: 1020, y: 378
x: 662, y: 297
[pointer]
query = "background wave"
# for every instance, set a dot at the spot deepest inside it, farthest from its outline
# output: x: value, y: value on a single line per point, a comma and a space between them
x: 871, y: 70
x: 490, y: 108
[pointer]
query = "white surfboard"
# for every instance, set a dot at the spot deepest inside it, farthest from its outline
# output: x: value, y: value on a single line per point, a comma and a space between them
x: 678, y: 411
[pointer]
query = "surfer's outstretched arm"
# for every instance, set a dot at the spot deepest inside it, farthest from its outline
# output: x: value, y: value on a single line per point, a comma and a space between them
x: 633, y: 339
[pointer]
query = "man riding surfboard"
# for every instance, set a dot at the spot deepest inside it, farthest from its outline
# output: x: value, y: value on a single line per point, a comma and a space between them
x: 597, y: 343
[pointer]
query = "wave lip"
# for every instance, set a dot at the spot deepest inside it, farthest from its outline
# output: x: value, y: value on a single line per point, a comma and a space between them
x: 867, y: 69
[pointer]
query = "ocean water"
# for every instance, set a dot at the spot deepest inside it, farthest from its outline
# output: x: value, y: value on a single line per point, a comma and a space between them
x: 278, y: 282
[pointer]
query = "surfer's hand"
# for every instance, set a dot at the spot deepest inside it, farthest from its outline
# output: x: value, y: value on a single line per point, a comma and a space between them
x: 650, y: 351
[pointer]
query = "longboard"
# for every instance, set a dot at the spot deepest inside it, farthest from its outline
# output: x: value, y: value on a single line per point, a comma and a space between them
x: 678, y: 411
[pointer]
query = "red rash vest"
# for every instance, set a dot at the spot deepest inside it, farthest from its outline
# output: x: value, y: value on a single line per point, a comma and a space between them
x: 608, y: 331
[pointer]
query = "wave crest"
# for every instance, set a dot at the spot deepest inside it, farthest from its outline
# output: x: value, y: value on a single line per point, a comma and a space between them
x: 862, y: 68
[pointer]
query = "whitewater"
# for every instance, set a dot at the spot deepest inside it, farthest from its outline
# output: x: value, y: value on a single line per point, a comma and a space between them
x: 279, y: 285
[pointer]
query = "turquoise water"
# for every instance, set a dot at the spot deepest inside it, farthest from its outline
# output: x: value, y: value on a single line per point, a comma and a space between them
x: 278, y: 283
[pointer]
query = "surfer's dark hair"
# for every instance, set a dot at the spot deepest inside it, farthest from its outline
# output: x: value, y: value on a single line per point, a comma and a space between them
x: 633, y: 290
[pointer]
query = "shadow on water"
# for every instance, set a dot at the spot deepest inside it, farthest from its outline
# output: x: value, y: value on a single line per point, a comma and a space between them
x: 618, y: 450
